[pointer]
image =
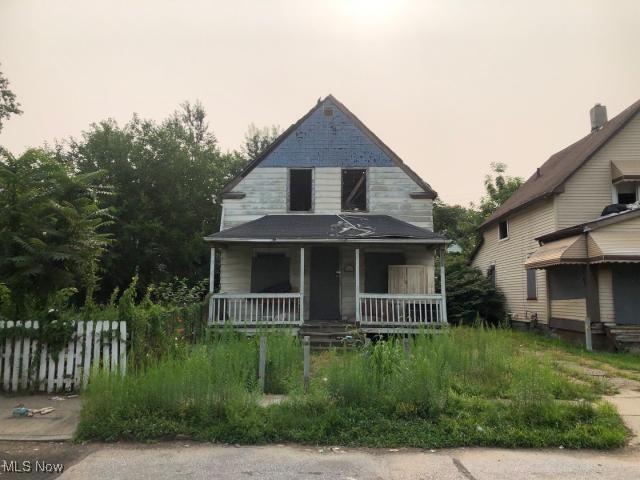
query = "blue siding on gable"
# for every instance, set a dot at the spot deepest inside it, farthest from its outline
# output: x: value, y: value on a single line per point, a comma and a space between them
x: 327, y: 141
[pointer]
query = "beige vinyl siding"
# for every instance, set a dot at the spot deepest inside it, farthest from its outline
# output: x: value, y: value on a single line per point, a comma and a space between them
x: 509, y: 256
x: 573, y: 309
x: 388, y: 190
x: 589, y: 190
x: 605, y: 290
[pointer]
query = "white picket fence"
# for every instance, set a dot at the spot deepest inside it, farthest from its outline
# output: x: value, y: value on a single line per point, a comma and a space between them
x: 102, y: 344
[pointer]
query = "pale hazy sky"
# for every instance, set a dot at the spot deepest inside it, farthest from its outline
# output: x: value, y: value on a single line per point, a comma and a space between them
x: 450, y: 85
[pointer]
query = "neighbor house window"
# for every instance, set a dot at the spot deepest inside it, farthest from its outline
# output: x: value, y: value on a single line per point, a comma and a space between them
x: 300, y: 190
x: 532, y: 287
x: 627, y: 192
x: 491, y: 274
x: 354, y: 190
x: 503, y: 229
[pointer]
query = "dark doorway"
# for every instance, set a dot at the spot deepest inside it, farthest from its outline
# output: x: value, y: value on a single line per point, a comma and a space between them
x: 376, y: 270
x: 626, y: 294
x: 324, y: 296
x: 270, y: 273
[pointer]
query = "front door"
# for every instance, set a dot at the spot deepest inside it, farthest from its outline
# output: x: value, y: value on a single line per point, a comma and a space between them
x: 324, y: 297
x: 626, y: 293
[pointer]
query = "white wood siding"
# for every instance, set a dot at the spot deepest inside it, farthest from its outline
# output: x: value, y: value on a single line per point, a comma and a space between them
x: 235, y: 269
x: 509, y: 256
x: 588, y: 191
x: 388, y: 190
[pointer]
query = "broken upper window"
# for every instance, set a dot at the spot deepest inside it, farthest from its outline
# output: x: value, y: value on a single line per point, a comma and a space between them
x: 354, y: 190
x: 627, y: 192
x: 300, y: 188
x: 503, y: 228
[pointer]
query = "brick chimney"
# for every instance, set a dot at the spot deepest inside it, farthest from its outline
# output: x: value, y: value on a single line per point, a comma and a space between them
x: 598, y: 116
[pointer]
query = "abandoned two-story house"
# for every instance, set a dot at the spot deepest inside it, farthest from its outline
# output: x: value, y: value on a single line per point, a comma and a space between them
x: 565, y: 247
x: 327, y: 225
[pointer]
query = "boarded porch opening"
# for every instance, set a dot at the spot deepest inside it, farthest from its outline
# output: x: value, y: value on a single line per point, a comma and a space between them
x: 626, y: 293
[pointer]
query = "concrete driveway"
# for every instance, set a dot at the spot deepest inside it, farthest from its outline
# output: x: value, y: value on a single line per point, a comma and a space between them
x: 206, y: 461
x: 55, y: 426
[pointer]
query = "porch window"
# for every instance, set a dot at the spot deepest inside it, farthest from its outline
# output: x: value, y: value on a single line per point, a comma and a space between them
x: 491, y: 274
x: 532, y: 287
x: 300, y: 190
x: 354, y: 190
x: 270, y: 273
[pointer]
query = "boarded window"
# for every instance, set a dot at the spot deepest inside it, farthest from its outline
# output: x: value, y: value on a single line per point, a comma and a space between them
x: 354, y: 190
x: 270, y: 273
x: 567, y: 282
x: 300, y: 188
x: 504, y: 229
x: 376, y: 270
x: 532, y: 287
x: 491, y: 274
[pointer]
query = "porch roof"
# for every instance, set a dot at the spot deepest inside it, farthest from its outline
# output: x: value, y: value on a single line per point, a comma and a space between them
x: 327, y: 228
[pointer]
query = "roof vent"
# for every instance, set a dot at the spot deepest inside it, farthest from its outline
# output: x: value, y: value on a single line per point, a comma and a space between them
x: 598, y: 116
x: 328, y: 111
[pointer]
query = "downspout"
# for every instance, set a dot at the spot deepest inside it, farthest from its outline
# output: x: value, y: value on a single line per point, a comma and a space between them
x: 587, y: 321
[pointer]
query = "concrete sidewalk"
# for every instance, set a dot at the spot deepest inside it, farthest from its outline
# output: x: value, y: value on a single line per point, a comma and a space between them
x: 56, y: 426
x: 628, y: 404
x: 206, y: 461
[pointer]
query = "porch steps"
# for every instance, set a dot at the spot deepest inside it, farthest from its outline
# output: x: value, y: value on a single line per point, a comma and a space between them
x: 324, y: 335
x: 625, y: 337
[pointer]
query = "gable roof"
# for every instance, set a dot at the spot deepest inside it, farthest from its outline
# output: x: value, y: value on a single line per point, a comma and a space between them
x: 341, y: 228
x: 549, y: 179
x: 430, y: 193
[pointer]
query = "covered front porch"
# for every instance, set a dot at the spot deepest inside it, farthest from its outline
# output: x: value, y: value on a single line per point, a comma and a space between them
x: 375, y: 284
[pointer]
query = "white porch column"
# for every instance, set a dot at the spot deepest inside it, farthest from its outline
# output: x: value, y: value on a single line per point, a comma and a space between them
x: 212, y: 278
x: 442, y: 286
x: 301, y: 285
x: 357, y: 268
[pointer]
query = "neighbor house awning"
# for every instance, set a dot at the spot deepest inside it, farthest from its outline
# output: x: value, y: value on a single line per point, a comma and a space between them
x: 625, y: 170
x: 570, y: 250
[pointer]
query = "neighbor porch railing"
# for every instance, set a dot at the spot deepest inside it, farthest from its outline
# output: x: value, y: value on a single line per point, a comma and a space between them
x: 255, y: 309
x: 401, y: 310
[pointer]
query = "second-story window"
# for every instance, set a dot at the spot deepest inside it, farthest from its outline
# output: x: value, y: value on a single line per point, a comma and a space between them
x: 627, y: 192
x: 300, y: 189
x: 354, y: 190
x: 503, y: 230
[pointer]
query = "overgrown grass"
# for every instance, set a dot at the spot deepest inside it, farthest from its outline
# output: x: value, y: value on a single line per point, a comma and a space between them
x: 464, y: 387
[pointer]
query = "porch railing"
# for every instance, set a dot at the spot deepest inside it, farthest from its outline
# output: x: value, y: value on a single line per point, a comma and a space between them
x: 403, y: 310
x: 255, y: 309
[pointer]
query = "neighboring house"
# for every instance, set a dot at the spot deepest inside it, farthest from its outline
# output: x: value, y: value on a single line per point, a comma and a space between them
x: 549, y: 248
x: 327, y: 225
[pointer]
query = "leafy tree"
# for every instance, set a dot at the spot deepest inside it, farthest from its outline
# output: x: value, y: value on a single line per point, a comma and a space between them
x: 166, y: 178
x: 470, y: 293
x: 457, y: 223
x: 499, y: 187
x: 8, y: 104
x: 256, y: 140
x: 50, y: 228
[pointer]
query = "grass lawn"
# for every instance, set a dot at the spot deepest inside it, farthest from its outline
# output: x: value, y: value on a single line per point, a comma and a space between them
x: 484, y: 387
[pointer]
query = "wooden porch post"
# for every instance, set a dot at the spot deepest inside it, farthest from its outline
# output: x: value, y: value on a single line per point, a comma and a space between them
x: 301, y: 285
x: 442, y: 286
x: 357, y: 268
x: 212, y: 277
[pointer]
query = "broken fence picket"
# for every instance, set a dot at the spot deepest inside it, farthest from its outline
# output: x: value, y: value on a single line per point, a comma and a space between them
x: 27, y: 366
